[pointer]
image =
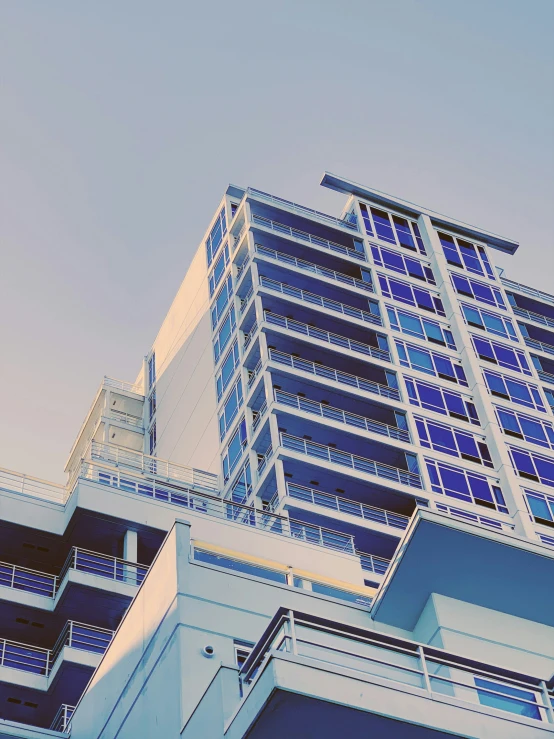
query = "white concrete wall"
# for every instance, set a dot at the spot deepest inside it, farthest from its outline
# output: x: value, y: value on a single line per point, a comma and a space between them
x: 186, y: 420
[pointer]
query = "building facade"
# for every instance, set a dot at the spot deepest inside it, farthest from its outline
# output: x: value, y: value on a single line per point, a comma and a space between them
x: 326, y: 501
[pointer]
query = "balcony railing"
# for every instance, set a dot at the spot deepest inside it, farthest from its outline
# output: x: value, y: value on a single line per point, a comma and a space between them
x: 47, y: 585
x: 371, y: 563
x: 437, y: 673
x: 329, y: 338
x: 246, y: 300
x: 488, y: 521
x: 123, y: 385
x: 533, y: 292
x: 40, y: 661
x: 16, y: 482
x: 239, y: 236
x: 336, y: 414
x: 536, y: 317
x: 252, y: 374
x: 350, y: 507
x: 260, y: 413
x: 263, y: 460
x: 540, y: 345
x: 314, y: 268
x: 249, y: 336
x: 313, y: 299
x: 219, y: 508
x: 126, y: 418
x: 546, y: 376
x: 147, y: 465
x: 243, y: 266
x: 343, y: 378
x: 62, y: 719
x: 302, y: 210
x: 280, y: 228
x: 345, y: 459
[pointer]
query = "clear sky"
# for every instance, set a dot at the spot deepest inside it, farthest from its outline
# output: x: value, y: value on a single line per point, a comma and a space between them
x: 122, y: 123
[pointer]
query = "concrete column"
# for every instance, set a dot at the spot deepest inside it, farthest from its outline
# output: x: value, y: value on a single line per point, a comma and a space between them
x: 130, y: 553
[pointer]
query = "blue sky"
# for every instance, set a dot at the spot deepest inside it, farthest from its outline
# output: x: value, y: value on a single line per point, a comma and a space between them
x: 122, y: 123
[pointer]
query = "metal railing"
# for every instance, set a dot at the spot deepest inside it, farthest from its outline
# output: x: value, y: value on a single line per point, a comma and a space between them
x: 372, y: 563
x: 30, y: 581
x: 533, y: 292
x: 252, y: 374
x: 334, y: 339
x: 15, y: 482
x: 345, y: 459
x: 40, y: 661
x: 264, y: 459
x: 243, y: 266
x: 336, y: 414
x: 123, y: 385
x: 303, y: 210
x: 540, y: 345
x: 250, y: 335
x: 491, y: 523
x: 246, y: 300
x: 62, y: 720
x: 350, y: 507
x: 343, y: 378
x: 125, y: 418
x: 314, y: 268
x: 546, y: 376
x: 320, y: 301
x: 239, y: 236
x: 436, y: 672
x: 213, y: 506
x: 537, y: 317
x: 296, y: 233
x: 102, y: 565
x: 148, y: 465
x: 259, y: 414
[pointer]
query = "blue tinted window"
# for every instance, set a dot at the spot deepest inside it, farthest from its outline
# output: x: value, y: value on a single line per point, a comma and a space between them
x: 489, y: 322
x: 242, y: 485
x: 541, y: 505
x: 533, y: 466
x: 219, y: 269
x: 452, y: 441
x: 220, y: 303
x: 406, y: 293
x: 518, y: 392
x: 508, y: 698
x: 423, y: 328
x: 504, y: 356
x: 442, y: 401
x: 431, y: 363
x: 399, y: 263
x: 151, y: 370
x: 468, y: 486
x: 383, y: 225
x: 234, y: 450
x: 230, y: 408
x: 224, y: 334
x: 230, y: 363
x: 213, y: 242
x: 478, y: 291
x: 533, y: 430
x: 465, y: 255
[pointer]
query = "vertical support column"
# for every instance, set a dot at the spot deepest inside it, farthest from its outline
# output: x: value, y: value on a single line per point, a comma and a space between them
x: 509, y: 481
x: 130, y: 554
x: 106, y: 414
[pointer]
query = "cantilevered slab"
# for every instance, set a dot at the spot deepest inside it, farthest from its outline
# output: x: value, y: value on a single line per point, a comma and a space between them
x: 467, y: 562
x: 340, y: 184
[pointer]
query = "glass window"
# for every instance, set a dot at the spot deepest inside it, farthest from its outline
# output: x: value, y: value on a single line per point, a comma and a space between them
x: 541, y: 507
x: 465, y: 255
x: 247, y: 568
x: 399, y: 263
x: 446, y: 402
x: 549, y: 397
x: 152, y: 439
x: 151, y: 370
x: 391, y: 228
x: 423, y: 328
x: 451, y: 441
x: 518, y: 392
x: 464, y: 485
x: 366, y: 219
x: 152, y: 404
x: 230, y: 363
x: 478, y: 291
x: 220, y: 303
x: 406, y: 293
x: 533, y: 466
x: 502, y: 355
x: 533, y: 430
x: 224, y: 334
x: 489, y: 322
x: 383, y: 226
x: 431, y: 363
x: 213, y: 242
x: 234, y: 450
x: 230, y: 408
x: 242, y: 485
x: 508, y: 698
x: 219, y: 268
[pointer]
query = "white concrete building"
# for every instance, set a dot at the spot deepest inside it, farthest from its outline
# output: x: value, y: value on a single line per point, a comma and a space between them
x: 325, y: 503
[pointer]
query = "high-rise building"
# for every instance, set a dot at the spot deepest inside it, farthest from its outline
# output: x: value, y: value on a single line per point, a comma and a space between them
x: 325, y: 505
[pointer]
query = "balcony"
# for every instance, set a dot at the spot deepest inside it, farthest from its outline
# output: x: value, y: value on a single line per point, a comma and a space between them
x: 312, y: 268
x: 539, y: 345
x: 309, y: 671
x: 328, y: 373
x: 321, y: 302
x: 209, y: 505
x: 321, y: 335
x: 350, y: 223
x: 351, y: 461
x: 531, y: 291
x: 62, y: 720
x: 336, y: 414
x: 531, y: 316
x: 33, y: 487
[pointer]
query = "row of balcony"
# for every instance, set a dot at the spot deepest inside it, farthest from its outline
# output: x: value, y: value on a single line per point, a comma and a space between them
x: 41, y: 661
x: 82, y: 560
x: 350, y: 222
x: 532, y: 316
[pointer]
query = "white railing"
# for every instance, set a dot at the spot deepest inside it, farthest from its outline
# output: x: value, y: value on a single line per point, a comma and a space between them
x: 347, y: 506
x: 30, y: 581
x: 462, y: 514
x: 252, y: 374
x: 345, y: 459
x: 125, y: 418
x: 152, y: 466
x: 343, y: 378
x: 239, y: 236
x: 250, y: 335
x: 259, y: 414
x: 537, y: 317
x: 123, y: 385
x: 15, y: 482
x: 263, y: 459
x: 304, y: 211
x: 336, y: 414
x: 540, y: 345
x: 329, y: 338
x: 244, y: 302
x: 62, y: 720
x: 438, y: 674
x: 319, y: 300
x: 372, y: 563
x: 533, y: 292
x: 314, y: 268
x: 240, y: 270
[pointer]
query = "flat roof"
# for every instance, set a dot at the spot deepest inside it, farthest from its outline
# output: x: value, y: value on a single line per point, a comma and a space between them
x: 341, y: 184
